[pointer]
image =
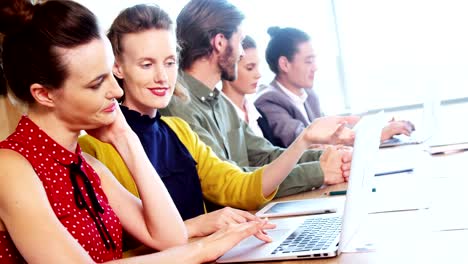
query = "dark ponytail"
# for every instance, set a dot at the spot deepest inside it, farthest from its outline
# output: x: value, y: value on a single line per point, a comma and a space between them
x: 273, y: 31
x: 33, y: 36
x: 13, y: 16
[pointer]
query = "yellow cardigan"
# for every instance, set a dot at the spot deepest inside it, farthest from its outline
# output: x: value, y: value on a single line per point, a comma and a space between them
x: 222, y: 182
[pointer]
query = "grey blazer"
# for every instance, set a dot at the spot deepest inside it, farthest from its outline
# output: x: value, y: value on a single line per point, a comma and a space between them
x: 285, y: 120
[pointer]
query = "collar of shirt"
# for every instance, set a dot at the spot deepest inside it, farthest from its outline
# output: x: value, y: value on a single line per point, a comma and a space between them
x: 299, y: 100
x: 251, y: 110
x: 43, y: 143
x: 198, y: 89
x: 140, y: 122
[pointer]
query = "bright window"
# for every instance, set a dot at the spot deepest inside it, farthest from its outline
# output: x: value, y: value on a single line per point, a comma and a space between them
x: 395, y: 52
x: 371, y: 53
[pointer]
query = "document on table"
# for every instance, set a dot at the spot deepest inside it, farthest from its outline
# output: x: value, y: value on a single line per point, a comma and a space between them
x: 399, y: 192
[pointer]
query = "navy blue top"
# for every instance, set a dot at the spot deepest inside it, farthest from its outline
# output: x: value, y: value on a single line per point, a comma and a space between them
x: 171, y: 159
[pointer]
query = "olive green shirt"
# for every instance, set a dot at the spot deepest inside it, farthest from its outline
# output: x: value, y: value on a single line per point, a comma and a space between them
x: 215, y: 121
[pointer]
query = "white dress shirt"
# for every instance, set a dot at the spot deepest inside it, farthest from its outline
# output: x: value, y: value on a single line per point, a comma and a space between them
x: 297, y: 100
x: 252, y: 113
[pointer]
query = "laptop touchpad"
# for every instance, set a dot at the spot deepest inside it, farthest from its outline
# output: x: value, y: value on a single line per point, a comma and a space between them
x: 253, y: 244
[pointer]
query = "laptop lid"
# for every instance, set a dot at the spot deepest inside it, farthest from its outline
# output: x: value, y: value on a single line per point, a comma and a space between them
x: 290, y: 228
x: 366, y: 145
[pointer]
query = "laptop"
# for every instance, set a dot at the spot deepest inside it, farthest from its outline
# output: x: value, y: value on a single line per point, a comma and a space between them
x: 420, y: 135
x: 324, y: 235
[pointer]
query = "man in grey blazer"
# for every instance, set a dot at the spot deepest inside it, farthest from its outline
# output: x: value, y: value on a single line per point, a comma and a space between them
x: 289, y: 103
x: 285, y: 120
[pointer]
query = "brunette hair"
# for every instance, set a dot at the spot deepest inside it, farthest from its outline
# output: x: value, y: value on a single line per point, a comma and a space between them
x: 136, y: 19
x: 3, y: 85
x: 201, y: 20
x: 33, y: 35
x: 283, y: 42
x: 249, y: 43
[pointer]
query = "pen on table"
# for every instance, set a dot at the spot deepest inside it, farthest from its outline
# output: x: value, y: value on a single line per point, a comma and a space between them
x: 394, y: 172
x: 341, y: 192
x: 446, y: 152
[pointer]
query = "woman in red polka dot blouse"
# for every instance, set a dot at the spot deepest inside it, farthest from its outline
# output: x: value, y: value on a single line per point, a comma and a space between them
x: 58, y: 204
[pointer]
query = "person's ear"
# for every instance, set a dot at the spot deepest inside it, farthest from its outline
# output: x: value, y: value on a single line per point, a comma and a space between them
x: 43, y: 95
x: 117, y: 69
x: 283, y: 64
x: 219, y: 43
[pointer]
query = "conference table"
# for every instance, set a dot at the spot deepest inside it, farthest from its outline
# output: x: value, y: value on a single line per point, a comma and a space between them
x: 424, y: 216
x: 437, y: 233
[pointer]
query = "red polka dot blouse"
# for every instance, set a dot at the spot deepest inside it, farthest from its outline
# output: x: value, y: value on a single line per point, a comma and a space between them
x: 74, y: 192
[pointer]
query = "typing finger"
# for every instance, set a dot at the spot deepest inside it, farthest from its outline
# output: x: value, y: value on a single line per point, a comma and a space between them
x: 246, y: 215
x: 264, y: 237
x: 238, y: 218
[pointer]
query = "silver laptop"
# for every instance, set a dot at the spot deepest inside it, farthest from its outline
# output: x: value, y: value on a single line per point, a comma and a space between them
x: 428, y: 127
x: 325, y: 235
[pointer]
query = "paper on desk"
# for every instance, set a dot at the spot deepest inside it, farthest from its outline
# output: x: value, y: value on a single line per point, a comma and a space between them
x: 399, y: 192
x: 394, y: 159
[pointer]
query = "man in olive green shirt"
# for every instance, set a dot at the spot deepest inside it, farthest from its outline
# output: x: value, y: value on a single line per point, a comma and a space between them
x: 213, y: 118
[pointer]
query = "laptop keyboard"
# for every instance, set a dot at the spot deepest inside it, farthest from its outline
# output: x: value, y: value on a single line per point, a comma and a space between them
x: 314, y: 234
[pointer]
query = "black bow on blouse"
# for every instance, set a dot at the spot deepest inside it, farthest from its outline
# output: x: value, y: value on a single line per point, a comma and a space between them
x: 75, y: 172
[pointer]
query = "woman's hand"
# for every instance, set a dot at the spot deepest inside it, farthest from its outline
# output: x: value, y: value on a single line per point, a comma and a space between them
x: 207, y: 224
x: 113, y: 131
x: 331, y: 130
x: 223, y: 240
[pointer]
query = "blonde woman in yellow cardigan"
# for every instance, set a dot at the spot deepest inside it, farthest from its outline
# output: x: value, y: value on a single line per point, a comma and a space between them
x: 144, y: 46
